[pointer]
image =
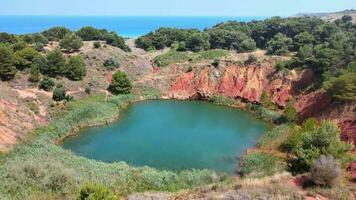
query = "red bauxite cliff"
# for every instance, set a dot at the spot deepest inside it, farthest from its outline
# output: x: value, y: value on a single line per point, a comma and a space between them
x: 247, y: 82
x: 238, y: 81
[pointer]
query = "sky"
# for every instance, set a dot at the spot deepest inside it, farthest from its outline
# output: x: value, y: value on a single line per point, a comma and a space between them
x: 171, y: 7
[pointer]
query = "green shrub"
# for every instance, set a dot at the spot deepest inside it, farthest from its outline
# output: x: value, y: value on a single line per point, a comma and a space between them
x: 275, y: 137
x: 251, y: 59
x: 55, y: 63
x: 190, y: 68
x: 7, y: 68
x: 55, y: 33
x: 89, y: 33
x: 96, y: 192
x: 221, y: 100
x: 75, y: 68
x: 263, y: 113
x: 46, y: 84
x: 310, y: 143
x: 267, y: 102
x: 279, y: 45
x: 18, y: 46
x: 342, y: 88
x: 59, y: 94
x: 216, y: 63
x: 120, y: 84
x: 97, y: 45
x: 71, y: 42
x: 111, y: 63
x: 325, y: 171
x: 291, y: 112
x: 24, y: 58
x: 258, y: 165
x: 87, y: 90
x: 35, y: 75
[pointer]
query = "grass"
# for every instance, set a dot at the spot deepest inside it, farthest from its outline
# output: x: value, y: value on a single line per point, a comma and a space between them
x: 173, y: 57
x: 260, y: 164
x: 225, y: 101
x: 40, y: 168
x: 274, y: 138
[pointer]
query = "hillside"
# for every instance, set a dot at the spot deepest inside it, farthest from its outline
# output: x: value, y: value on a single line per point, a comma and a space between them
x: 332, y: 16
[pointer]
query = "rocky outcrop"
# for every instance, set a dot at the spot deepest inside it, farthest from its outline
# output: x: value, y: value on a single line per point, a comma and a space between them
x: 237, y: 81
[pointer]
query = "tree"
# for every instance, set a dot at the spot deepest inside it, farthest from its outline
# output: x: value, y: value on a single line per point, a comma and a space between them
x: 7, y: 68
x: 89, y: 33
x: 302, y: 39
x: 46, y: 84
x: 111, y: 63
x: 71, y: 42
x: 198, y: 42
x: 55, y: 63
x: 96, y: 45
x: 120, y: 84
x: 279, y: 44
x: 24, y: 58
x: 346, y: 18
x: 19, y: 46
x: 251, y: 59
x: 342, y: 88
x: 75, y: 68
x: 8, y: 38
x: 55, y: 33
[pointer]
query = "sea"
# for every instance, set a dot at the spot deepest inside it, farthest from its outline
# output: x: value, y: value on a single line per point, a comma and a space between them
x: 126, y: 26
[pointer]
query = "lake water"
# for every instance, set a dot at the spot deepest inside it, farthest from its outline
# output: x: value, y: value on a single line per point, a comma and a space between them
x: 125, y: 26
x: 173, y: 135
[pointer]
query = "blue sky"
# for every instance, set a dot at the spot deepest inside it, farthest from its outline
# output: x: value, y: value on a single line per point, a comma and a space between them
x: 172, y: 7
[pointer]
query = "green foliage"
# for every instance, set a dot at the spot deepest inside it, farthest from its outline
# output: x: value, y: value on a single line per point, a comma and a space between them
x: 92, y: 191
x: 75, y: 68
x: 258, y: 165
x: 111, y: 63
x: 325, y: 171
x: 221, y: 100
x: 190, y: 69
x: 46, y: 84
x: 97, y: 45
x: 71, y: 42
x: 59, y: 94
x: 89, y: 33
x: 19, y: 46
x: 302, y: 39
x: 120, y: 84
x: 114, y: 40
x: 8, y: 38
x: 24, y: 58
x: 212, y: 54
x: 198, y: 42
x: 280, y: 44
x: 251, y: 59
x: 56, y: 33
x: 35, y: 75
x: 263, y: 113
x: 7, y: 68
x: 275, y: 137
x: 342, y: 88
x: 55, y: 63
x: 311, y: 142
x: 267, y: 102
x: 87, y: 90
x: 290, y: 112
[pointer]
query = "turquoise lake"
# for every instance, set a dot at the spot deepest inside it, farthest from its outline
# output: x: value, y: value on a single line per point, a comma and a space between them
x: 173, y: 135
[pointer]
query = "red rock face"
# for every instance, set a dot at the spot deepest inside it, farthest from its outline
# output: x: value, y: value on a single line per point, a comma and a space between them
x: 235, y: 81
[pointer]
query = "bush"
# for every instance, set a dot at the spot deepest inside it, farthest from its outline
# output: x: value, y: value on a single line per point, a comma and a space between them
x: 97, y: 45
x: 46, y: 84
x: 251, y: 59
x: 120, y: 84
x: 8, y: 38
x: 55, y: 33
x: 92, y: 191
x: 87, y: 90
x: 279, y: 45
x: 216, y: 63
x: 342, y: 88
x: 59, y: 94
x: 24, y: 58
x: 71, y: 42
x: 75, y: 68
x: 89, y: 33
x: 111, y: 63
x: 7, y: 68
x: 311, y: 142
x: 55, y: 63
x: 290, y: 112
x: 325, y: 171
x: 19, y: 46
x: 35, y: 75
x: 258, y: 165
x: 198, y: 42
x: 190, y: 68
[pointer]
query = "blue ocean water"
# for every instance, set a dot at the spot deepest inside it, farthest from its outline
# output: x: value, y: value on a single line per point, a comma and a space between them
x: 125, y: 26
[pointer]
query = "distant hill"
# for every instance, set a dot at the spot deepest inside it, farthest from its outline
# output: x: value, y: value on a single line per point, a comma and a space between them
x: 331, y: 16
